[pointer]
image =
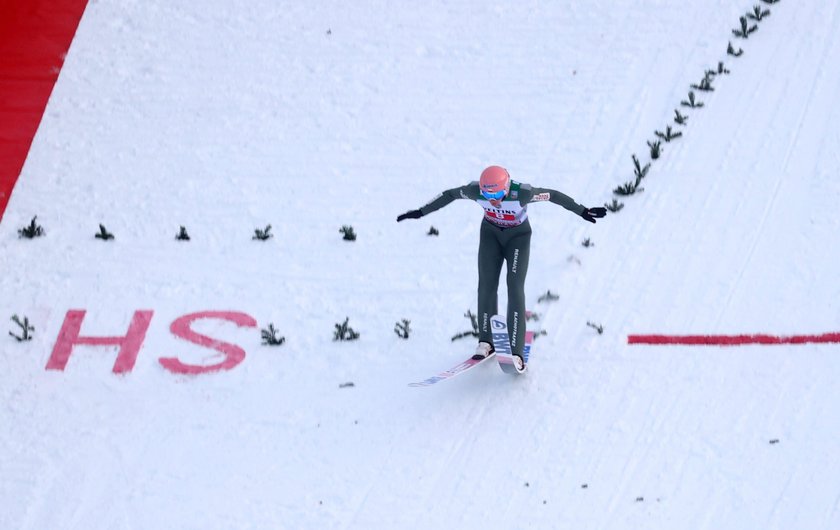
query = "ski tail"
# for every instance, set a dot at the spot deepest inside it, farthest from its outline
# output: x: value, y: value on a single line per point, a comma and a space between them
x: 504, y: 352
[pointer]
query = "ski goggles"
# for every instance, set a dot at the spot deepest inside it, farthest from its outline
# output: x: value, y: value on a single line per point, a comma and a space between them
x: 490, y: 195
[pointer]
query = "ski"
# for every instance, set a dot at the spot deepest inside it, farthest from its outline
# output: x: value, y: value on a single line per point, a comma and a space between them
x: 452, y: 372
x: 501, y: 342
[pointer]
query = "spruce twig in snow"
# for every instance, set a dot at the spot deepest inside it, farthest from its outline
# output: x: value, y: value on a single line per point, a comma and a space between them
x: 733, y: 52
x: 270, y: 338
x: 628, y: 188
x: 597, y: 327
x: 263, y: 235
x: 770, y: 2
x: 587, y: 243
x: 433, y: 231
x: 548, y: 297
x: 530, y: 316
x: 349, y: 234
x: 474, y: 332
x: 182, y: 235
x: 680, y: 119
x: 638, y: 170
x: 705, y: 85
x: 721, y: 69
x: 669, y: 134
x: 26, y: 329
x: 691, y: 103
x: 614, y: 206
x: 758, y: 14
x: 31, y: 231
x: 103, y: 234
x: 344, y: 332
x: 746, y: 29
x: 655, y: 149
x: 403, y: 329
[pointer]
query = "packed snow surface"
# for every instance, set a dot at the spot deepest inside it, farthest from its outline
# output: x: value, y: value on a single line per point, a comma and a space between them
x: 225, y: 117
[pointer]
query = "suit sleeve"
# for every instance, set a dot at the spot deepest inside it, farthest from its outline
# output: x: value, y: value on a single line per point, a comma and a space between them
x: 531, y: 194
x: 470, y: 191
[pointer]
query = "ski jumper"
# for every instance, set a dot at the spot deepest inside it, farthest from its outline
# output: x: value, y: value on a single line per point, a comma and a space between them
x: 505, y: 236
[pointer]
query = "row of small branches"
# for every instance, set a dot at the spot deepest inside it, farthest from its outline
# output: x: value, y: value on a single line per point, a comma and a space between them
x: 671, y: 132
x: 34, y: 230
x: 270, y: 335
x: 343, y: 331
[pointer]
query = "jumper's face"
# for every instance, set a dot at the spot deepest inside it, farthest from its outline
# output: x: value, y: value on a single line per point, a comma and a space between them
x: 495, y: 193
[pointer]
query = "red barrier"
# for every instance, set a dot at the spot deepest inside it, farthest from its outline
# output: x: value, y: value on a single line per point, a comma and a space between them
x: 34, y: 38
x: 732, y: 340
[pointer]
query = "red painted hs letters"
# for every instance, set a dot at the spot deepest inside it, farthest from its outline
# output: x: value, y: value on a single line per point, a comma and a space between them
x: 130, y: 344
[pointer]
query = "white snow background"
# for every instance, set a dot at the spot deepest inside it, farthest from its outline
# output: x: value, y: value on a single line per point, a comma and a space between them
x: 229, y: 116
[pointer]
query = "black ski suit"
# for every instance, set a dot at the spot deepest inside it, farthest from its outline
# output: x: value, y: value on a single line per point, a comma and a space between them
x: 505, y: 237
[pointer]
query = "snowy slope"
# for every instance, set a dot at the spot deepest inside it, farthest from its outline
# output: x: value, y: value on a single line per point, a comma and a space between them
x: 226, y: 118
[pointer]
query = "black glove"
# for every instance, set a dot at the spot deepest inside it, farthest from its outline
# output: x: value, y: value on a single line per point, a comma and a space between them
x: 411, y: 214
x: 590, y: 214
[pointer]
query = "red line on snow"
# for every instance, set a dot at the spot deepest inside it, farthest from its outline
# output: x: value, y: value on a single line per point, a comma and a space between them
x: 732, y: 340
x: 34, y: 38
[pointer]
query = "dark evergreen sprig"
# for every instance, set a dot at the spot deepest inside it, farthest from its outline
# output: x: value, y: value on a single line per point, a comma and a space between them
x: 103, y: 234
x: 692, y: 102
x: 706, y: 84
x: 655, y: 149
x: 32, y: 231
x: 349, y: 234
x: 770, y: 2
x: 403, y: 328
x: 721, y: 69
x: 680, y: 119
x: 758, y: 14
x: 638, y: 170
x: 474, y: 321
x: 597, y: 327
x: 26, y: 329
x: 669, y: 134
x: 270, y: 338
x: 587, y: 243
x: 733, y: 52
x: 614, y: 206
x: 746, y: 29
x: 182, y: 235
x: 548, y: 297
x: 628, y: 188
x: 343, y: 331
x: 433, y: 231
x: 263, y: 235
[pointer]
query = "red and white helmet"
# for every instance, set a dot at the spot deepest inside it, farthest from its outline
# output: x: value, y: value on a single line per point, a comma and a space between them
x: 494, y: 183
